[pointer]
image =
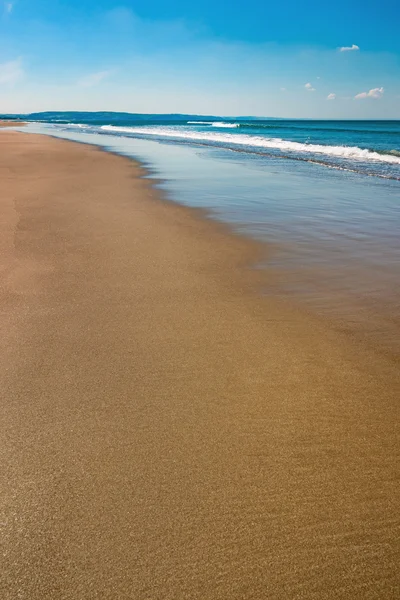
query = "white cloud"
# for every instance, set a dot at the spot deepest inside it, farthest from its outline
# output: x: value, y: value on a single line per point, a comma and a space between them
x: 331, y: 97
x: 374, y: 93
x: 309, y: 87
x: 283, y: 89
x: 8, y: 6
x: 349, y: 48
x: 93, y: 79
x: 11, y: 72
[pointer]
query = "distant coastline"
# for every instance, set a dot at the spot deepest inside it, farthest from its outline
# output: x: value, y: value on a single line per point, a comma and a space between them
x: 168, y: 116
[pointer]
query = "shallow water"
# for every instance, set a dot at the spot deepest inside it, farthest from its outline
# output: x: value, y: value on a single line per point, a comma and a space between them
x: 333, y: 234
x: 368, y: 147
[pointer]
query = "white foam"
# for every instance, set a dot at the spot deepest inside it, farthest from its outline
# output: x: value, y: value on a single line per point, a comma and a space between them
x: 252, y: 141
x: 79, y: 125
x: 214, y: 124
x: 227, y: 125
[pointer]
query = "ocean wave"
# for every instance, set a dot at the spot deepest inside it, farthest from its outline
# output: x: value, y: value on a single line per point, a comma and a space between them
x: 78, y: 125
x: 310, y: 128
x: 279, y: 125
x: 252, y: 141
x: 227, y: 125
x: 215, y: 124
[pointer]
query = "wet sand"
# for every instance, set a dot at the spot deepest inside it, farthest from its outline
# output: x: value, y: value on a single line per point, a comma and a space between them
x: 167, y: 432
x: 11, y: 123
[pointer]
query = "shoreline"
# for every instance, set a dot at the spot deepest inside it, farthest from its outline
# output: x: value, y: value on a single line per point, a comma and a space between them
x: 352, y: 309
x: 169, y: 432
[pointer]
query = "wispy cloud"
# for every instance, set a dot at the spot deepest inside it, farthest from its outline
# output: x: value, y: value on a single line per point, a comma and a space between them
x: 94, y: 78
x: 11, y: 72
x: 283, y: 89
x: 7, y: 7
x: 349, y: 48
x: 374, y: 93
x: 331, y: 97
x: 309, y: 87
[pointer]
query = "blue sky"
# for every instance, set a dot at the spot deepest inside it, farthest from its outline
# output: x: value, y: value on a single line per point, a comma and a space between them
x: 290, y: 59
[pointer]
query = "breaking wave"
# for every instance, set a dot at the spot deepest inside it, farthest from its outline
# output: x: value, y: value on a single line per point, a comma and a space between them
x: 252, y: 141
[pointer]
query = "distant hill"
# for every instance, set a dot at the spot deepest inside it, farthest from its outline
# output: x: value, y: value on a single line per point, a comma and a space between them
x: 112, y: 116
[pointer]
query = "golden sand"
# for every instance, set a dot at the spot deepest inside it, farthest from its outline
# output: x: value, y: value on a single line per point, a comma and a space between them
x: 167, y: 432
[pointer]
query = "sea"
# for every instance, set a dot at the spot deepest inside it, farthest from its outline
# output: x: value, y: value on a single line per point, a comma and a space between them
x: 323, y: 195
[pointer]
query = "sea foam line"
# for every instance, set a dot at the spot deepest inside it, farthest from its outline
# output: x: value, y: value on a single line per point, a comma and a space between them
x: 221, y: 124
x: 346, y: 152
x: 225, y: 125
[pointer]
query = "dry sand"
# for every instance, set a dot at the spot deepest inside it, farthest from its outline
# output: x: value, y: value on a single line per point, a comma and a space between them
x: 167, y: 433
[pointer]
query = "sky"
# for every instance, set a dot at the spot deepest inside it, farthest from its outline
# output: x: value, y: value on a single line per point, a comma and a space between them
x: 308, y: 59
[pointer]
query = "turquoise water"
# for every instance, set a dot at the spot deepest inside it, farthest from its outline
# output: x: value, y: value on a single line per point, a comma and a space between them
x: 366, y: 147
x: 332, y: 229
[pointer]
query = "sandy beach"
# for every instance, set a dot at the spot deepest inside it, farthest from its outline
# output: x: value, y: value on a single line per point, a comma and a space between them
x: 168, y: 433
x: 14, y: 123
